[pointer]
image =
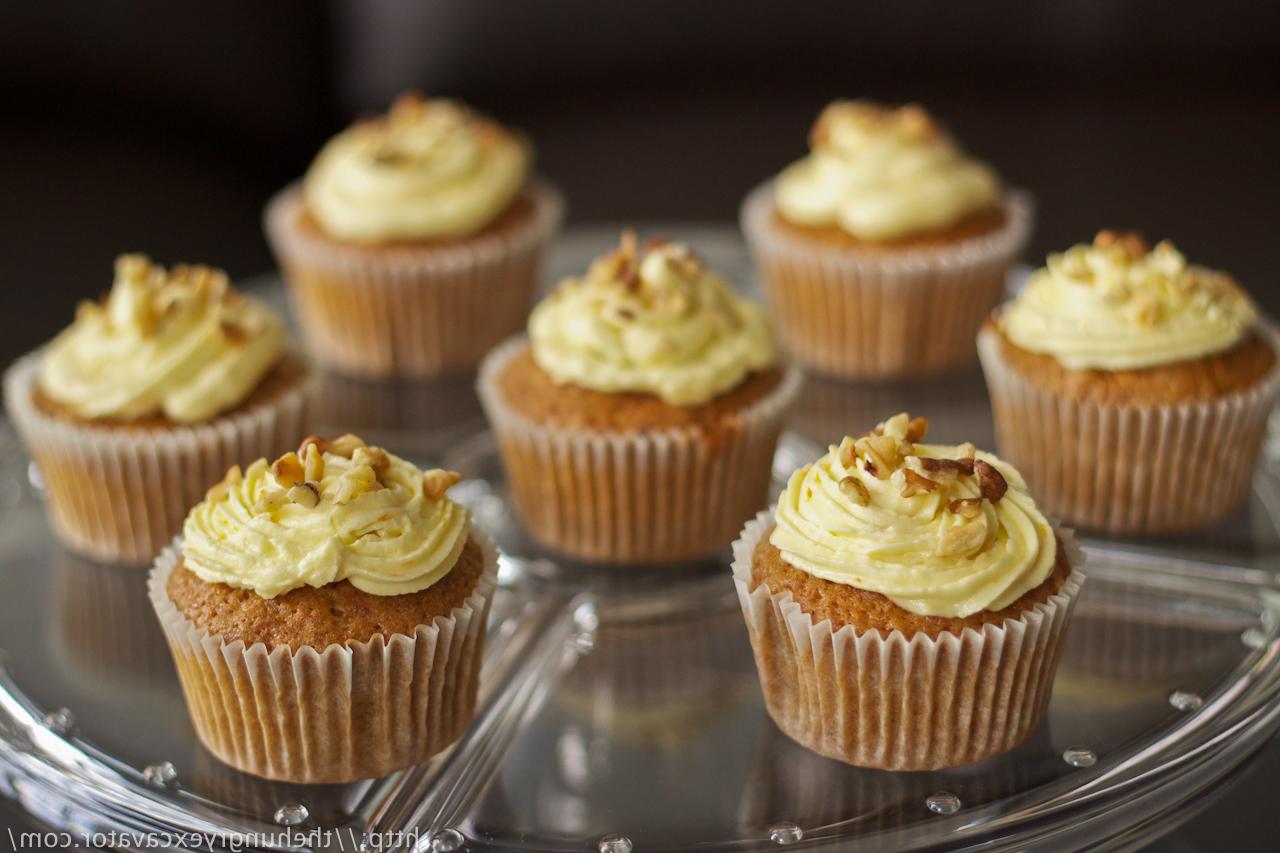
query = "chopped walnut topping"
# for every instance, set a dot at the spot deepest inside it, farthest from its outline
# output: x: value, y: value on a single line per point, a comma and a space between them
x: 848, y: 454
x: 944, y: 467
x: 313, y: 463
x: 354, y: 482
x: 375, y: 457
x: 990, y: 481
x: 914, y: 484
x: 966, y: 451
x: 232, y: 332
x: 270, y: 501
x: 853, y: 489
x: 881, y: 451
x: 312, y: 439
x: 968, y: 507
x: 917, y: 429
x: 288, y: 470
x: 305, y: 494
x: 437, y: 481
x: 1129, y: 242
x: 345, y: 445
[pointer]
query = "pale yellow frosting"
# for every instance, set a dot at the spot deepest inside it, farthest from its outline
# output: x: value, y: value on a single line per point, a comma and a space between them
x: 385, y: 531
x: 874, y: 530
x: 883, y: 174
x: 653, y: 321
x: 427, y: 170
x: 1115, y: 305
x: 179, y: 343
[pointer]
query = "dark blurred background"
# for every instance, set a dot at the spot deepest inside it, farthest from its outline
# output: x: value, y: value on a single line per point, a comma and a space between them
x: 163, y: 126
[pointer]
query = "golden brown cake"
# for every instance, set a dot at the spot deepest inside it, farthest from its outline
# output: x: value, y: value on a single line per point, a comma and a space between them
x: 638, y: 420
x: 346, y: 598
x: 1157, y: 376
x: 415, y: 242
x: 154, y: 390
x: 906, y: 602
x: 881, y: 252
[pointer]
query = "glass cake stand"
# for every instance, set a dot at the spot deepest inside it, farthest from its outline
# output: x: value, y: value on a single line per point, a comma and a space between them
x: 620, y: 709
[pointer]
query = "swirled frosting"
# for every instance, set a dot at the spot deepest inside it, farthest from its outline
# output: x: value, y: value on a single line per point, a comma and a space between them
x: 883, y: 174
x: 180, y: 343
x: 352, y: 513
x: 653, y: 321
x: 939, y: 530
x: 429, y: 169
x: 1114, y: 305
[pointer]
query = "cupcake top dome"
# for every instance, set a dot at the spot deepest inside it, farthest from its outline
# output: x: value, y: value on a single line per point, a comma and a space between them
x: 178, y: 343
x: 883, y: 173
x: 650, y: 320
x: 335, y: 510
x: 939, y: 530
x: 1117, y: 305
x: 429, y: 169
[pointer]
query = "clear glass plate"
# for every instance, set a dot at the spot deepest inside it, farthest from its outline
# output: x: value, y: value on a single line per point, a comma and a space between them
x: 620, y: 708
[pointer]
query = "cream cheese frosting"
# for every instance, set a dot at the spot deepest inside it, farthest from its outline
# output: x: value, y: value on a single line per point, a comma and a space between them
x: 178, y: 343
x: 429, y: 169
x: 653, y: 321
x: 940, y: 530
x: 338, y: 511
x: 1115, y: 305
x: 883, y: 174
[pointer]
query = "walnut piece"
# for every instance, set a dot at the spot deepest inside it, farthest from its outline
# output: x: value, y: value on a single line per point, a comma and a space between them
x: 914, y: 484
x: 437, y: 481
x: 288, y: 470
x: 990, y: 481
x: 305, y: 494
x: 853, y: 489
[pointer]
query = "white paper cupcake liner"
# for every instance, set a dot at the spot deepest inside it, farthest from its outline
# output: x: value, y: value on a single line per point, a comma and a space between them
x: 634, y: 497
x: 856, y: 313
x: 339, y: 714
x: 119, y: 494
x: 1129, y: 468
x: 897, y: 702
x: 381, y: 312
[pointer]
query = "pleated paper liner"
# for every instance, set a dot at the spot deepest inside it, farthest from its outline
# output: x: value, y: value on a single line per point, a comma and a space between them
x: 634, y: 497
x: 119, y: 494
x: 898, y: 702
x: 382, y: 312
x: 338, y: 714
x: 851, y: 313
x: 1129, y: 468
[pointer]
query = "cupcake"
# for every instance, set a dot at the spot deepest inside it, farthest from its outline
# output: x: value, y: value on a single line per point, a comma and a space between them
x: 414, y: 243
x: 906, y: 602
x: 882, y: 251
x: 1131, y: 387
x: 148, y: 396
x: 638, y: 420
x: 326, y: 613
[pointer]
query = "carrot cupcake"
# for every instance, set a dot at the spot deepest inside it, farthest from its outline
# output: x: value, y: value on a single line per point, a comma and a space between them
x: 149, y: 395
x: 639, y: 418
x: 326, y: 613
x: 906, y: 602
x: 1132, y: 387
x: 414, y: 243
x: 883, y: 250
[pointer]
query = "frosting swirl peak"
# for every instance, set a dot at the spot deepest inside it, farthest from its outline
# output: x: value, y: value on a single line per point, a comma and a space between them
x: 179, y: 343
x: 939, y: 530
x: 652, y: 321
x: 1115, y: 305
x: 334, y: 511
x: 883, y: 174
x: 429, y: 169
